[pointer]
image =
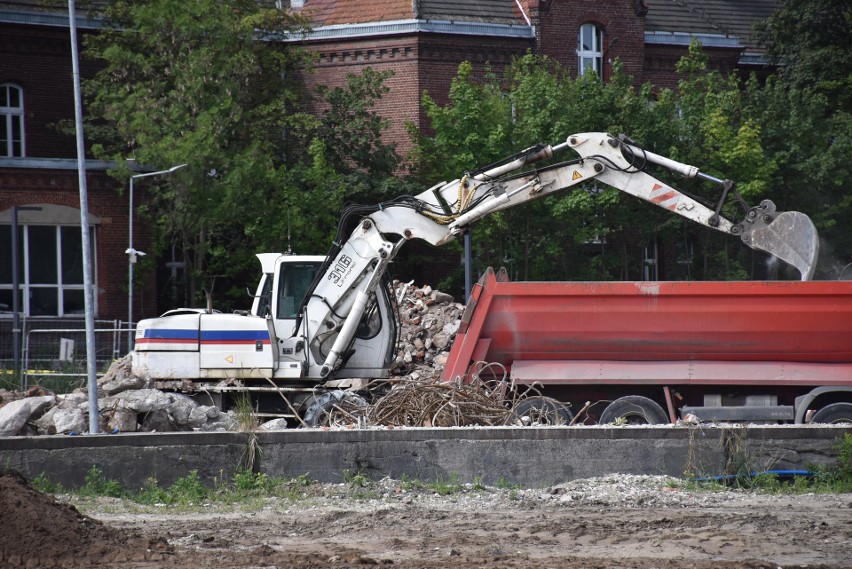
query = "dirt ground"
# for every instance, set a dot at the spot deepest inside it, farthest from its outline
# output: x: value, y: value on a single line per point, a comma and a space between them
x: 612, y: 522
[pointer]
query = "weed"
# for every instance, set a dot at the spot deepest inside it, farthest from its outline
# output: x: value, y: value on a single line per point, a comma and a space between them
x: 834, y: 478
x: 407, y: 484
x: 504, y: 484
x: 43, y: 484
x: 477, y: 484
x: 96, y: 484
x: 447, y: 487
x: 355, y: 479
x: 800, y: 485
x: 188, y: 490
x: 151, y: 493
x: 248, y: 481
x: 766, y: 482
x: 247, y: 422
x: 303, y: 480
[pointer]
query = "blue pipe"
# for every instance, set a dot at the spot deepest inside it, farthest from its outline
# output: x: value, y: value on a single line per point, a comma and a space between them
x: 779, y: 473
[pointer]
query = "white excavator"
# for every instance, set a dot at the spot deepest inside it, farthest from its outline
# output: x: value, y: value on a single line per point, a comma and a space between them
x: 317, y: 320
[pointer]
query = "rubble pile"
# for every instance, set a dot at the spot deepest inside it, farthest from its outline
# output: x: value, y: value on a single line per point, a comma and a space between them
x: 126, y: 404
x: 429, y: 321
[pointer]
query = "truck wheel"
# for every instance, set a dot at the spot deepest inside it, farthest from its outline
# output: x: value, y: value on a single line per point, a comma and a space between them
x: 834, y: 413
x: 334, y: 408
x: 540, y: 410
x: 635, y: 410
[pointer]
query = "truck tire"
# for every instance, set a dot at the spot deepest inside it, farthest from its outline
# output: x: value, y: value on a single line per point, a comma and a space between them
x: 834, y: 413
x: 634, y: 409
x: 540, y: 410
x: 324, y: 409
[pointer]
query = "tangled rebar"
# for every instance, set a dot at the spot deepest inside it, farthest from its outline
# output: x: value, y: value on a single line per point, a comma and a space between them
x: 441, y: 404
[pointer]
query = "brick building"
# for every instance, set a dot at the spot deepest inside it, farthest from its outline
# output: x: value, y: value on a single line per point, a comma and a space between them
x: 422, y: 41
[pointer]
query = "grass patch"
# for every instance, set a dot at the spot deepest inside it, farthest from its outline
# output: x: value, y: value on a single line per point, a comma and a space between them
x: 442, y: 486
x: 244, y: 487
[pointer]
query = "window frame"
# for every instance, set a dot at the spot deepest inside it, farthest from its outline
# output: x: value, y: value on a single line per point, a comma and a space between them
x: 27, y: 287
x: 594, y: 54
x: 10, y: 116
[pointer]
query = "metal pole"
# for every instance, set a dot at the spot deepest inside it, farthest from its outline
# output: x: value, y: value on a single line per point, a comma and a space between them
x: 88, y: 296
x: 468, y: 279
x: 16, y: 289
x: 133, y: 253
x: 132, y: 259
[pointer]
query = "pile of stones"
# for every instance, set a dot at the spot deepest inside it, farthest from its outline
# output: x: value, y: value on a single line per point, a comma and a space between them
x: 430, y: 320
x: 125, y: 403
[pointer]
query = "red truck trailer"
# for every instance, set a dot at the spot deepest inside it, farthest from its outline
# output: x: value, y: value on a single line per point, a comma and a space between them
x: 655, y: 352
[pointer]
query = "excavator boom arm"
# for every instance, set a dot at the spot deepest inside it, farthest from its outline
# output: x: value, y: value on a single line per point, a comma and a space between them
x: 348, y: 283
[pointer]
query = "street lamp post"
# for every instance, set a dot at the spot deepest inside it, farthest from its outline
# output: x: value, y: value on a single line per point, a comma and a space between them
x: 133, y: 253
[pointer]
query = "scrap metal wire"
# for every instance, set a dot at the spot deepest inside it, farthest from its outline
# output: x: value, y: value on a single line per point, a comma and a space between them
x: 436, y: 404
x: 432, y: 403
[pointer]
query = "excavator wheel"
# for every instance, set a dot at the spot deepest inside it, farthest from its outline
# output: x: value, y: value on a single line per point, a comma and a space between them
x: 334, y: 409
x: 634, y: 410
x: 539, y: 410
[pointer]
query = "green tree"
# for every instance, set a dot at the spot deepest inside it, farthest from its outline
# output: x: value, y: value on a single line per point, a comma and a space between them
x: 352, y: 134
x: 806, y: 114
x: 811, y: 41
x: 209, y: 84
x: 592, y: 231
x: 194, y: 82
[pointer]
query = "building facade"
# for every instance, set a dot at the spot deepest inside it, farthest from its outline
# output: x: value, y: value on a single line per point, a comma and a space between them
x: 424, y: 41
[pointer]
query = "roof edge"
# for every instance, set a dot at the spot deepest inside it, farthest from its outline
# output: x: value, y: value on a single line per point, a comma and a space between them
x: 53, y: 164
x: 46, y: 19
x: 683, y: 38
x: 346, y: 31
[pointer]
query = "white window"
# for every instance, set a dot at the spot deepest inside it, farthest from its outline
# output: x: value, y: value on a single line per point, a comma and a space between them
x: 50, y: 269
x: 590, y: 50
x: 11, y: 120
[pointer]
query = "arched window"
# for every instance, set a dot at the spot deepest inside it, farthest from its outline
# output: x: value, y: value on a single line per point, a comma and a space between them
x: 11, y: 120
x: 590, y: 50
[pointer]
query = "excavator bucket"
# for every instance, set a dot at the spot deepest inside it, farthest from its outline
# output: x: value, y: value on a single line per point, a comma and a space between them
x: 790, y: 236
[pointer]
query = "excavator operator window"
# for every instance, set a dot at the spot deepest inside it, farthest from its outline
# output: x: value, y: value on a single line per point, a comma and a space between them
x: 265, y: 299
x: 294, y: 280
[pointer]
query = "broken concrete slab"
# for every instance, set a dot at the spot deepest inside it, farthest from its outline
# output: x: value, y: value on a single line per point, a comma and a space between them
x: 14, y: 415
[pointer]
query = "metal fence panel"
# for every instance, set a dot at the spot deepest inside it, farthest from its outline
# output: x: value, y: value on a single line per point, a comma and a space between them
x: 53, y: 351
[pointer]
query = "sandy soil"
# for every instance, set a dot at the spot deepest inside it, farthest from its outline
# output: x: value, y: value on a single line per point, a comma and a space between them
x: 612, y: 522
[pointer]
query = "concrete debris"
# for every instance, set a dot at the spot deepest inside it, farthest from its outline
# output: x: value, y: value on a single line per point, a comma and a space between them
x: 122, y: 420
x: 125, y: 405
x: 144, y: 400
x: 274, y: 425
x: 119, y: 378
x: 430, y: 321
x: 14, y: 415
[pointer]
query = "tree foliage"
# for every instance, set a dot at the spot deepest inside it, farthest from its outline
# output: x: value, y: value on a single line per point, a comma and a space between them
x: 209, y: 84
x: 806, y: 113
x: 593, y: 231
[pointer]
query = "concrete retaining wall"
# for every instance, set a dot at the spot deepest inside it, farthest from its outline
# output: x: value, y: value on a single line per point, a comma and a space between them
x: 526, y: 456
